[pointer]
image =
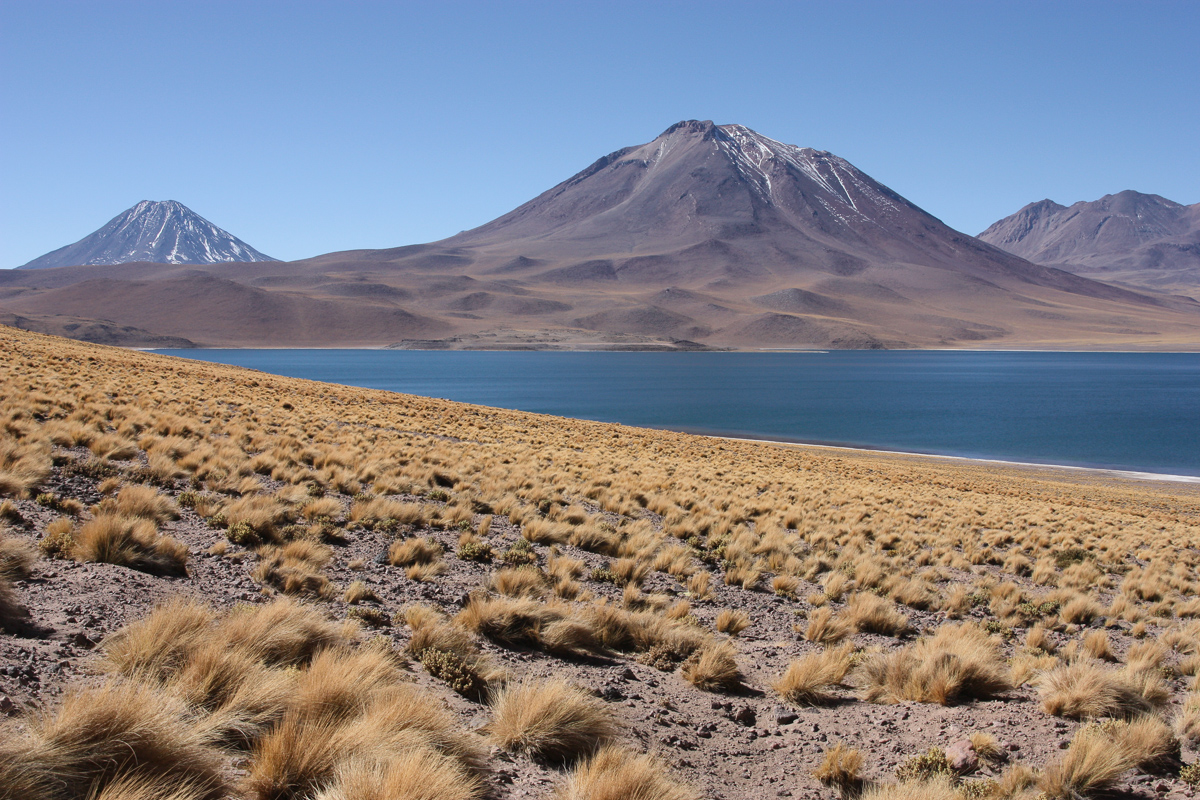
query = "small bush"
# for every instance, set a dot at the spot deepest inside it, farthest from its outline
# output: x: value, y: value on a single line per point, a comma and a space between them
x: 477, y: 551
x: 459, y: 673
x: 928, y: 766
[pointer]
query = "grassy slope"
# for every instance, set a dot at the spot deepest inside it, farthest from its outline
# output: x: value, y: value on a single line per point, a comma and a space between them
x: 880, y: 548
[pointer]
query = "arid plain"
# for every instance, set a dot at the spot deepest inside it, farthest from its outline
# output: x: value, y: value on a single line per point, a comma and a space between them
x: 220, y: 583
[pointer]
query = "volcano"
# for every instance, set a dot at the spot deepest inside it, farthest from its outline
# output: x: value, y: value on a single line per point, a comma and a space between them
x: 166, y: 232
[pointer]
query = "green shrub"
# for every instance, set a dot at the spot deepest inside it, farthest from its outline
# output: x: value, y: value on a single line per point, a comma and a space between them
x: 454, y: 670
x: 476, y: 551
x: 925, y: 767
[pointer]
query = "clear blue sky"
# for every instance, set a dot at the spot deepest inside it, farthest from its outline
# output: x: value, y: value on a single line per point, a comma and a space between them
x: 307, y: 127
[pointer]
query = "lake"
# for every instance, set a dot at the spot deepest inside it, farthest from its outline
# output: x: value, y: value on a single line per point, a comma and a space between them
x: 1129, y: 411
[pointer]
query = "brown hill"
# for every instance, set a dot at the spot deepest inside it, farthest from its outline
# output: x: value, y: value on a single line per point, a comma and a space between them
x: 1137, y: 239
x: 711, y: 234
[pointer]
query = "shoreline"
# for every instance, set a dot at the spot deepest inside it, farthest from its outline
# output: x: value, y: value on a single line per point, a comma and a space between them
x: 656, y: 349
x: 1098, y: 471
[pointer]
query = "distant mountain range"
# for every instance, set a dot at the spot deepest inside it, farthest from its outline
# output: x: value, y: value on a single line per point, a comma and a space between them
x: 707, y: 236
x: 1133, y: 238
x: 165, y: 232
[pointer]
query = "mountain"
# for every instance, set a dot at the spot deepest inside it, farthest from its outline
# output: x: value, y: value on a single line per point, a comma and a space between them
x: 1134, y: 238
x: 165, y: 232
x: 707, y: 236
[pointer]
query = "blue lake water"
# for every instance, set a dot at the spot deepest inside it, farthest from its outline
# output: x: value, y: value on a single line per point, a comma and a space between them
x: 1131, y: 411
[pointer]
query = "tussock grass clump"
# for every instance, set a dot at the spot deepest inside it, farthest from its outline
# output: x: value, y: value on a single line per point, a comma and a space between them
x: 17, y: 557
x: 359, y: 592
x: 824, y: 628
x: 807, y: 679
x: 959, y: 662
x: 551, y: 721
x: 869, y: 613
x: 713, y: 668
x: 732, y: 622
x: 145, y: 502
x: 1087, y: 690
x: 940, y: 788
x: 841, y: 769
x: 447, y: 652
x: 23, y: 466
x: 282, y: 632
x: 522, y: 622
x: 102, y: 735
x: 418, y: 774
x: 1092, y: 763
x: 129, y: 542
x: 617, y: 774
x: 376, y: 510
x: 259, y: 517
x: 520, y: 582
x: 413, y: 552
x: 294, y: 568
x: 158, y: 645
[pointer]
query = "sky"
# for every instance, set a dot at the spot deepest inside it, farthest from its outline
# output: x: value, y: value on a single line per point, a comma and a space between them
x: 309, y: 127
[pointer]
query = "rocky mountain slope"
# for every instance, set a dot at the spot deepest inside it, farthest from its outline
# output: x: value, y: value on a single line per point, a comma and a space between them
x: 164, y: 232
x: 708, y: 236
x: 1137, y: 239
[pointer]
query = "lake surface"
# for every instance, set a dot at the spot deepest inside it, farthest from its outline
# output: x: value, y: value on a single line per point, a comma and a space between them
x: 1130, y: 411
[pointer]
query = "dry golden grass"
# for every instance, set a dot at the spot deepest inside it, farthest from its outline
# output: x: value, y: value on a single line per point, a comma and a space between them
x: 841, y: 769
x: 616, y: 774
x: 294, y: 568
x: 23, y: 466
x: 145, y: 502
x: 101, y: 735
x: 732, y: 622
x: 824, y: 628
x: 808, y: 679
x: 414, y: 552
x: 416, y: 774
x: 551, y: 721
x: 1093, y: 762
x: 959, y: 662
x: 127, y: 541
x: 1087, y: 690
x: 878, y: 543
x: 868, y: 613
x: 17, y: 557
x: 713, y: 668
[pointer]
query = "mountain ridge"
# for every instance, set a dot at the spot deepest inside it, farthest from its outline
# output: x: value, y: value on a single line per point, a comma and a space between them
x: 1137, y: 239
x: 711, y: 235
